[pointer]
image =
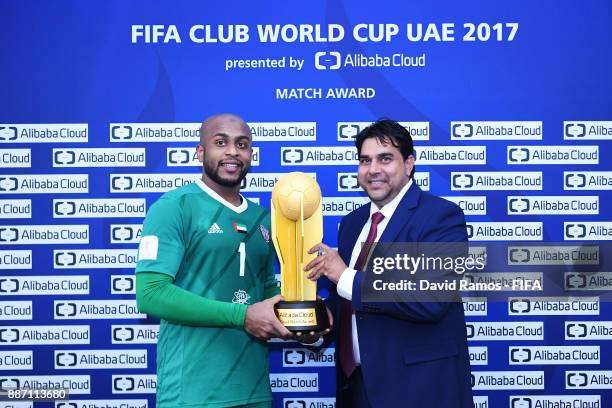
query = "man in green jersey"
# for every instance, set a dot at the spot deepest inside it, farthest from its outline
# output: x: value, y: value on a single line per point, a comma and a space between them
x: 206, y: 269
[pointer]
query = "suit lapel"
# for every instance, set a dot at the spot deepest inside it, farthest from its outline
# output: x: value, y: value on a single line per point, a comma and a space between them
x: 352, y: 230
x: 400, y: 218
x: 403, y: 214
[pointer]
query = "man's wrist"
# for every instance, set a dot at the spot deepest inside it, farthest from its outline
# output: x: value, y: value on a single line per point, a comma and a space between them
x: 239, y: 315
x: 345, y: 283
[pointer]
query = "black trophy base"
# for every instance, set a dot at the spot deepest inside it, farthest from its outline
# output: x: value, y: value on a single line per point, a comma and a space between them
x: 303, y: 316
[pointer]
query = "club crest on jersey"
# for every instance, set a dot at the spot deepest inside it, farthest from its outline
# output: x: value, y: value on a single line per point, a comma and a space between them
x: 264, y: 233
x: 241, y: 297
x: 240, y: 228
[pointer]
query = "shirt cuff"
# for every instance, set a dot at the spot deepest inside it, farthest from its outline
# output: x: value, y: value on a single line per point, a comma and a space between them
x: 239, y: 314
x: 345, y: 283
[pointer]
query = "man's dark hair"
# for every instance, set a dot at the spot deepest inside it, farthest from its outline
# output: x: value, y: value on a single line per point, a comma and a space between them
x: 388, y: 131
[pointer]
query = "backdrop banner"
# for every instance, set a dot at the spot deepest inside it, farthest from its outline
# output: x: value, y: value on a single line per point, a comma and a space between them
x: 509, y: 105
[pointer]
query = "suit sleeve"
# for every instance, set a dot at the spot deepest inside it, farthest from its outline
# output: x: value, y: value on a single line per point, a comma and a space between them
x: 446, y: 225
x: 332, y: 303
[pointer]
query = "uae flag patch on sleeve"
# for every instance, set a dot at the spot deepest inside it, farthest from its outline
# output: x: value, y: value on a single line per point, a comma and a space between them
x: 240, y: 228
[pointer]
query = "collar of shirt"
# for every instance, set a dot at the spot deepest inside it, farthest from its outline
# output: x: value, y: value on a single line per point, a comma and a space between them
x: 388, y: 209
x: 236, y: 208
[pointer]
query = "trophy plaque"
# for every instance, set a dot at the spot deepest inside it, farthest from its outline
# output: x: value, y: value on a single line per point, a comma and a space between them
x: 297, y: 226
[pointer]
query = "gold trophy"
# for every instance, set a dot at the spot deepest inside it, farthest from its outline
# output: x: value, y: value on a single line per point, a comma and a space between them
x: 297, y: 226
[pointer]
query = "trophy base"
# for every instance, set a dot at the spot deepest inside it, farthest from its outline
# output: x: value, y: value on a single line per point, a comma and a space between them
x: 302, y: 316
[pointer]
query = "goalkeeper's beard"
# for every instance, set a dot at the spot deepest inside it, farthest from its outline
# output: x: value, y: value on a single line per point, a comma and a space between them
x: 213, y: 174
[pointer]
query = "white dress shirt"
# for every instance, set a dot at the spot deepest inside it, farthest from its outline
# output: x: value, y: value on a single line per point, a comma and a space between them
x: 345, y: 283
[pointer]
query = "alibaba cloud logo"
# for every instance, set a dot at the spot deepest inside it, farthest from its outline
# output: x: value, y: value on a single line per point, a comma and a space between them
x: 470, y: 330
x: 8, y: 183
x: 63, y: 157
x: 327, y: 60
x: 8, y: 133
x: 518, y: 154
x: 65, y: 258
x: 348, y: 182
x: 9, y: 335
x: 121, y: 132
x: 8, y: 285
x: 64, y: 208
x: 575, y: 281
x: 518, y: 205
x: 520, y: 355
x: 292, y: 156
x: 463, y: 180
x: 124, y: 384
x: 294, y: 357
x: 9, y: 234
x: 123, y: 284
x: 179, y: 156
x: 575, y: 180
x: 123, y: 334
x: 521, y: 402
x: 575, y: 230
x: 575, y: 130
x: 461, y: 130
x: 125, y: 233
x: 65, y: 309
x: 576, y: 380
x: 65, y: 359
x: 519, y: 255
x: 575, y: 330
x: 348, y: 131
x: 295, y: 404
x: 121, y: 183
x: 520, y: 306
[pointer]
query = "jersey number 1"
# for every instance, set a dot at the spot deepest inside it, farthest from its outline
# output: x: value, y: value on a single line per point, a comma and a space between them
x: 242, y: 252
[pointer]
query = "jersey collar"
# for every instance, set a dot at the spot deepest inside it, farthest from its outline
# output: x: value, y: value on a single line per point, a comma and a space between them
x: 237, y: 209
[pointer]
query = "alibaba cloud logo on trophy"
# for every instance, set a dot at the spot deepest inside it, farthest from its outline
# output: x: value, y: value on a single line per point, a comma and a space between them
x: 297, y: 225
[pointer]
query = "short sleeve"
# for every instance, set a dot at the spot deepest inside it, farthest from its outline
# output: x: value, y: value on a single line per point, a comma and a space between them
x: 162, y: 243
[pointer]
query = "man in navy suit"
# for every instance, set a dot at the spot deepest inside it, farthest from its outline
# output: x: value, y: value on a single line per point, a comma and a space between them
x: 395, y: 353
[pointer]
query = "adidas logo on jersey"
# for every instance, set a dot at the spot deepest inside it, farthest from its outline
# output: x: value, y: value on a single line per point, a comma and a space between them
x: 215, y: 229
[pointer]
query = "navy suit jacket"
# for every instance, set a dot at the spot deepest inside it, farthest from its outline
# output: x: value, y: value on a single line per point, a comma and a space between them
x: 413, y: 354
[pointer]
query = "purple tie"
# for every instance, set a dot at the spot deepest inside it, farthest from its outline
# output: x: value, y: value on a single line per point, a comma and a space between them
x: 345, y: 341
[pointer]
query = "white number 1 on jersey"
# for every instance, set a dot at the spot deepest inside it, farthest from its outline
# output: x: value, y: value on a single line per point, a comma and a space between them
x: 242, y: 252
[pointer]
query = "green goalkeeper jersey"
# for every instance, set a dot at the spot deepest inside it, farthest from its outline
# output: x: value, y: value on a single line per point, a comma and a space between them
x: 221, y: 252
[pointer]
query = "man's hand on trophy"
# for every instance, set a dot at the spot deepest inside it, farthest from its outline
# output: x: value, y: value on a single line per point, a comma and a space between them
x: 261, y: 321
x: 328, y: 264
x: 313, y: 338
